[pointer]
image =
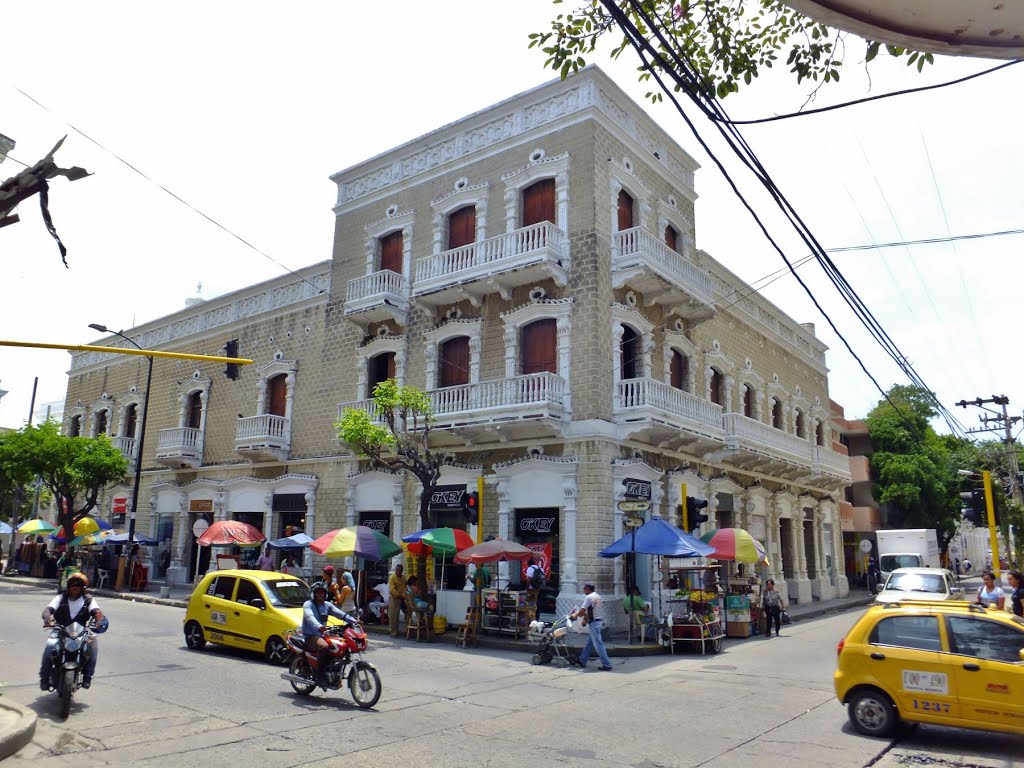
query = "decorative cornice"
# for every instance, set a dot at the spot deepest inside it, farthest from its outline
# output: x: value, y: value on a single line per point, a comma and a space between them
x: 542, y: 457
x: 312, y: 480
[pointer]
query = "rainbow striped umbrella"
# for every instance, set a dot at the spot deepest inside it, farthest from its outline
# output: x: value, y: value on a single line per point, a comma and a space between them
x: 734, y: 544
x: 356, y: 541
x: 97, y: 537
x: 445, y: 540
x: 36, y: 525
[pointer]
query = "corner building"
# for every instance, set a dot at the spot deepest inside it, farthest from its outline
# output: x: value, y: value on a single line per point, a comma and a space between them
x: 532, y: 266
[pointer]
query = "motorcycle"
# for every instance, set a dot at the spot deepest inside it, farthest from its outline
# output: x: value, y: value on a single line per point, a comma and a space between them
x: 68, y: 659
x: 347, y: 644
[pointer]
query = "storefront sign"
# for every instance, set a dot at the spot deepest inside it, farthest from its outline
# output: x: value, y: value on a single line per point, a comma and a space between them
x: 537, y: 524
x: 637, y: 489
x: 377, y: 521
x: 448, y: 497
x: 541, y: 557
x: 200, y: 505
x: 120, y: 506
x: 634, y: 506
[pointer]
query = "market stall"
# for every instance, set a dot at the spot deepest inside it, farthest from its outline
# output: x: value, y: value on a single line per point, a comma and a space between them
x: 694, y: 613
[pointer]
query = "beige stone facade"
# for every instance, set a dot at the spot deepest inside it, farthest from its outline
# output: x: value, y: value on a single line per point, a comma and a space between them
x: 612, y: 418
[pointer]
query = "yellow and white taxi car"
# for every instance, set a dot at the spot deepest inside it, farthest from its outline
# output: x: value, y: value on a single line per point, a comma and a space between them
x: 246, y: 609
x: 942, y: 662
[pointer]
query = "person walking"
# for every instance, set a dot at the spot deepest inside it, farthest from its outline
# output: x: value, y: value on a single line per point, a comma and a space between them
x: 265, y: 562
x: 773, y: 605
x: 593, y: 619
x: 1016, y: 593
x: 989, y: 593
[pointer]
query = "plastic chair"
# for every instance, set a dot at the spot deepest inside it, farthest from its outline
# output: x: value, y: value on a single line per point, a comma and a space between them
x: 415, y: 623
x: 102, y: 577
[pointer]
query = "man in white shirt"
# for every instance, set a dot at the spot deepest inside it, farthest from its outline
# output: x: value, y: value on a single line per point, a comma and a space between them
x: 74, y: 604
x: 592, y: 612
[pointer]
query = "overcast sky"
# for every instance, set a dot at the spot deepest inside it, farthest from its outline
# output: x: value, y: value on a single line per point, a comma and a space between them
x: 245, y: 109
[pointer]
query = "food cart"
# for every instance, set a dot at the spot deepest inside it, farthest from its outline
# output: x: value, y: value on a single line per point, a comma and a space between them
x: 693, y: 614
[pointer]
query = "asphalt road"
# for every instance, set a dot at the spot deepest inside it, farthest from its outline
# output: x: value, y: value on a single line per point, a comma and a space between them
x: 762, y: 703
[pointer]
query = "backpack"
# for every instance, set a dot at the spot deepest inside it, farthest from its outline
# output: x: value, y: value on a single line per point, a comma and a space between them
x: 537, y: 580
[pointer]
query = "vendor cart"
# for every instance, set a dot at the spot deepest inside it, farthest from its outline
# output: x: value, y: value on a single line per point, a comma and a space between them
x: 694, y: 613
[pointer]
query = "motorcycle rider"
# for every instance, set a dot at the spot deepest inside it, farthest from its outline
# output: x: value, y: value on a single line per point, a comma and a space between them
x: 74, y: 604
x: 314, y: 621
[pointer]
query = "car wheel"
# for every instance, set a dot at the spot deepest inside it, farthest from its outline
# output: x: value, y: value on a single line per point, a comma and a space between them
x: 872, y: 713
x: 194, y: 637
x: 276, y: 652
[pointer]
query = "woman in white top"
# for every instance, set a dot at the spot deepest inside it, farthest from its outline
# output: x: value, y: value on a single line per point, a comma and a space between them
x: 991, y: 594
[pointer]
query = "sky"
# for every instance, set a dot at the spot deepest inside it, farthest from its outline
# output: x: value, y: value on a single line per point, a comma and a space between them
x: 244, y: 109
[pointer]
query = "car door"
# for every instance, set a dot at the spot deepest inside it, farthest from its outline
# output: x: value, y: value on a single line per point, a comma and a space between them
x: 988, y: 669
x: 905, y: 656
x: 219, y: 602
x: 249, y: 620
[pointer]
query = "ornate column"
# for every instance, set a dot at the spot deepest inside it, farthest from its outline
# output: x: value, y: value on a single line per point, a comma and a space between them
x: 219, y: 507
x: 350, y: 513
x: 568, y: 555
x: 184, y: 526
x: 618, y: 581
x: 776, y: 568
x: 616, y: 365
x: 310, y: 529
x: 504, y: 513
x: 564, y: 328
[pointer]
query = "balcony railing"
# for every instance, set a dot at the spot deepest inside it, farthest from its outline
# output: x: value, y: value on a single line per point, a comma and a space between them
x: 834, y: 463
x: 638, y: 246
x: 380, y: 294
x: 126, y: 445
x: 537, y: 243
x: 264, y: 427
x: 753, y: 432
x: 649, y: 396
x: 180, y: 445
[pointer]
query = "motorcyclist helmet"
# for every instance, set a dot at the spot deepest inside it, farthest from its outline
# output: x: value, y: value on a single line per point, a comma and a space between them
x: 101, y: 626
x: 81, y: 578
x: 317, y: 587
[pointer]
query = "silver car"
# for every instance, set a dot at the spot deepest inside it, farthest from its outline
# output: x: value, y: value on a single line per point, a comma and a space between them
x: 919, y: 584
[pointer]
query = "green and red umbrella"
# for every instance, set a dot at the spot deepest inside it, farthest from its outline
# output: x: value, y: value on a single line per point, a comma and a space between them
x: 734, y: 544
x: 356, y: 541
x: 448, y: 541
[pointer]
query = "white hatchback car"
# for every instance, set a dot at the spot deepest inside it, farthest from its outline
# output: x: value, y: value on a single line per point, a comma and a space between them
x: 919, y: 584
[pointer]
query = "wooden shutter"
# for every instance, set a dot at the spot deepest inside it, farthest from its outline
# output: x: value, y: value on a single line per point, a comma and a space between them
x: 381, y: 368
x: 462, y: 227
x: 672, y: 238
x: 630, y: 350
x: 131, y: 418
x: 539, y: 202
x: 454, y: 368
x: 391, y: 252
x: 748, y: 401
x: 277, y: 394
x: 679, y: 372
x: 540, y: 347
x: 625, y: 211
x: 194, y: 414
x: 716, y: 387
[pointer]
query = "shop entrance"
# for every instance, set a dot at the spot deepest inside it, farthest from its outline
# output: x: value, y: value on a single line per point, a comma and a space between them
x: 247, y: 556
x: 165, y: 538
x: 374, y: 573
x: 538, y: 529
x: 290, y: 514
x: 203, y: 552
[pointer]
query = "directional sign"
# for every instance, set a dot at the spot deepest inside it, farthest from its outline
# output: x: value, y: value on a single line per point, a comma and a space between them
x: 634, y: 506
x: 199, y: 527
x: 632, y: 522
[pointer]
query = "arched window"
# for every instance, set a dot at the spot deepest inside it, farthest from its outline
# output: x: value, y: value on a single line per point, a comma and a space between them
x: 101, y: 422
x: 462, y: 227
x: 539, y: 348
x: 748, y: 401
x: 679, y: 371
x: 391, y: 252
x: 131, y: 420
x: 717, y: 387
x: 379, y: 368
x: 625, y: 213
x: 194, y: 410
x: 799, y: 427
x: 776, y: 413
x: 539, y: 202
x: 76, y: 426
x: 454, y: 362
x: 672, y: 238
x: 629, y: 347
x: 277, y: 395
x: 819, y: 433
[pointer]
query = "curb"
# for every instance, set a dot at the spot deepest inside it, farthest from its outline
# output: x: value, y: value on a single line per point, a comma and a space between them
x: 823, y: 610
x: 16, y: 736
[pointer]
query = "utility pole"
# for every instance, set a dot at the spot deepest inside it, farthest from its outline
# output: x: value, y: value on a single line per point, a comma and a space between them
x: 1005, y: 422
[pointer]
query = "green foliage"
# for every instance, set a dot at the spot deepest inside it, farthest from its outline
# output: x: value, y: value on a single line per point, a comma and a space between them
x: 723, y: 42
x: 74, y: 469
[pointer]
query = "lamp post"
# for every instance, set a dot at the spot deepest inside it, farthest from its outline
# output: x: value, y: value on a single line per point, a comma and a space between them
x: 139, y: 444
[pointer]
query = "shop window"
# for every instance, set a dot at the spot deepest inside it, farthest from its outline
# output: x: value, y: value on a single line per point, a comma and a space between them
x: 539, y: 202
x: 462, y: 227
x: 625, y: 211
x: 776, y: 413
x: 277, y: 394
x: 672, y: 238
x: 76, y: 426
x: 540, y: 347
x: 454, y: 362
x: 748, y: 401
x: 194, y: 410
x: 391, y: 252
x: 679, y: 371
x: 131, y: 420
x: 630, y: 351
x: 717, y: 387
x: 799, y: 427
x: 380, y: 368
x: 538, y: 529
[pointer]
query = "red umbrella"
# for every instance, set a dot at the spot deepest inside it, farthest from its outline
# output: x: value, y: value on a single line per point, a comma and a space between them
x: 231, y: 532
x: 493, y: 551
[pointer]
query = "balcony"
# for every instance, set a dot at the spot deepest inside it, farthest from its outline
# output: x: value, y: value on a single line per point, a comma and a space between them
x: 264, y: 438
x: 382, y: 295
x: 179, y: 447
x: 831, y: 463
x: 662, y: 275
x: 756, y: 446
x: 498, y: 264
x: 671, y: 418
x: 523, y: 407
x: 860, y: 468
x: 126, y: 445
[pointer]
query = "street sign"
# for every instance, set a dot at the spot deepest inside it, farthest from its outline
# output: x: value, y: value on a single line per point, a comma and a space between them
x: 199, y: 527
x: 634, y: 506
x: 865, y: 546
x: 632, y: 522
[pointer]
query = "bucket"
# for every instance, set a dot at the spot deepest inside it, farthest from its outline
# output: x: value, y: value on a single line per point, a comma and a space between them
x: 440, y: 624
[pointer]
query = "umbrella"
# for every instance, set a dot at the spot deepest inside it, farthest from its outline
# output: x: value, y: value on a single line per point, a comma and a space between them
x: 734, y: 544
x: 84, y: 526
x: 5, y: 528
x: 138, y: 538
x: 356, y: 541
x: 96, y: 537
x: 657, y: 537
x: 231, y: 532
x: 447, y: 541
x: 36, y: 525
x: 493, y: 551
x: 291, y: 542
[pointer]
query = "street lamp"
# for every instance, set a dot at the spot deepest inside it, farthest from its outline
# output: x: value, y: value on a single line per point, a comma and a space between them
x: 138, y: 447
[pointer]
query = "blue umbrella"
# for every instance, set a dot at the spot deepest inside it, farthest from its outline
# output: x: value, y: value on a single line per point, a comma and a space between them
x: 657, y: 537
x: 5, y: 528
x: 291, y: 542
x: 138, y: 538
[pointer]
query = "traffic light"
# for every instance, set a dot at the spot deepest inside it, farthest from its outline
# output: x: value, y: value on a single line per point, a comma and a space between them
x: 472, y: 506
x: 975, y: 513
x: 231, y: 350
x: 693, y: 513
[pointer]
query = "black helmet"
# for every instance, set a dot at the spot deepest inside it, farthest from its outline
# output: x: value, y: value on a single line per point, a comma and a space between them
x: 317, y: 587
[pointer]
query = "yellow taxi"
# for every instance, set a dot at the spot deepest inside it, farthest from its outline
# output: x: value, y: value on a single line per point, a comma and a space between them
x: 246, y: 609
x: 941, y: 662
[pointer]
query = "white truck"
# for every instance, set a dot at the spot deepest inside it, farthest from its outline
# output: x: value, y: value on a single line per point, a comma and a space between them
x: 907, y: 548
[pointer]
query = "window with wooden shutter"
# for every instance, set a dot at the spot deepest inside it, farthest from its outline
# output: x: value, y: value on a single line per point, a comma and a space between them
x: 194, y: 411
x: 672, y: 238
x: 748, y: 401
x: 76, y: 426
x: 679, y: 371
x: 277, y: 394
x: 540, y: 347
x: 630, y: 350
x: 131, y: 420
x: 101, y: 423
x: 391, y: 252
x: 454, y: 362
x: 539, y: 202
x: 717, y: 388
x: 462, y: 227
x: 625, y: 211
x: 380, y: 369
x: 776, y: 413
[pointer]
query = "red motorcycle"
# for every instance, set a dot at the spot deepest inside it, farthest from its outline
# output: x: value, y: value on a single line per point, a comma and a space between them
x: 345, y: 643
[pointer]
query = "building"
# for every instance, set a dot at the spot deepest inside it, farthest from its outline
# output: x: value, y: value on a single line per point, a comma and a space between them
x: 859, y: 510
x: 532, y: 266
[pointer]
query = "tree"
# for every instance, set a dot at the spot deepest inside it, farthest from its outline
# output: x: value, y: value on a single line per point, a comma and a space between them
x: 402, y: 442
x: 911, y: 464
x: 722, y: 42
x: 74, y: 469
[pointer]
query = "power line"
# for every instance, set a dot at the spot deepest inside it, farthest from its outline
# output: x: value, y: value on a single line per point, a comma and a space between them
x: 927, y: 241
